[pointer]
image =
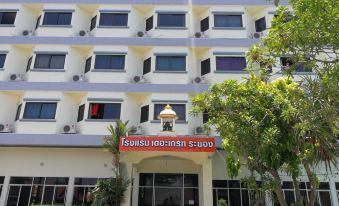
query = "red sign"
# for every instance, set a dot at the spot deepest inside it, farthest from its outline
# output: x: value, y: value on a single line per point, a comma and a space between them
x: 164, y: 143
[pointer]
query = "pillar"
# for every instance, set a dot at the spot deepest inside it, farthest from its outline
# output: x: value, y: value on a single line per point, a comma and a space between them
x: 135, y: 186
x: 333, y: 193
x: 128, y: 174
x: 70, y: 191
x: 206, y: 187
x: 4, y: 191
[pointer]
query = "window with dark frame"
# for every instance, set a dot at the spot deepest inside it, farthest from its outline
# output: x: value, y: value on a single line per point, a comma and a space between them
x: 205, y: 66
x: 37, y: 22
x: 18, y: 111
x: 298, y: 67
x: 230, y: 63
x: 2, y: 179
x: 171, y: 20
x: 82, y: 194
x: 57, y: 18
x: 146, y: 66
x: 81, y: 113
x: 260, y: 24
x: 29, y: 63
x: 7, y: 18
x: 170, y: 63
x: 88, y: 64
x: 49, y: 61
x: 205, y: 24
x: 180, y: 110
x: 37, y: 190
x: 40, y: 110
x: 149, y: 23
x: 93, y: 23
x: 109, y: 62
x: 110, y: 111
x: 144, y: 113
x: 113, y: 19
x: 2, y: 60
x: 205, y: 117
x: 221, y: 20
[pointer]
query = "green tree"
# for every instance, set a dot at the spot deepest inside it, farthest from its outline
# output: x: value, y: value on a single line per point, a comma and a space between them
x: 109, y: 192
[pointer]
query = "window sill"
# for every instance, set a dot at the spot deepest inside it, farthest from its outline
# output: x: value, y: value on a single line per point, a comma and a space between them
x: 7, y: 25
x: 101, y: 120
x: 109, y: 70
x: 113, y: 27
x: 228, y: 28
x: 171, y: 72
x: 56, y: 26
x: 176, y: 122
x: 171, y: 28
x: 37, y: 120
x: 231, y: 72
x: 46, y: 70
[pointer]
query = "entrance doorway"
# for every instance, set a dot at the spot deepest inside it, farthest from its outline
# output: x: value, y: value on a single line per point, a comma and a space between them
x: 164, y: 189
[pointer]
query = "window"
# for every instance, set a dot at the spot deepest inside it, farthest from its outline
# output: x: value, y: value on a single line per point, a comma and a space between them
x: 37, y: 22
x: 93, y: 23
x: 57, y: 18
x: 113, y: 19
x: 82, y: 191
x: 110, y: 62
x: 81, y: 112
x: 18, y: 111
x: 230, y: 63
x: 104, y: 111
x: 7, y: 18
x: 149, y: 23
x: 337, y: 188
x: 205, y: 117
x: 144, y: 114
x: 171, y: 20
x: 2, y: 179
x: 49, y: 61
x: 227, y: 20
x: 2, y: 60
x: 29, y: 63
x: 204, y: 24
x: 205, y: 67
x: 260, y: 24
x: 233, y: 192
x: 39, y: 110
x: 171, y: 63
x: 88, y: 64
x: 180, y: 109
x: 298, y: 67
x: 37, y: 190
x: 147, y: 66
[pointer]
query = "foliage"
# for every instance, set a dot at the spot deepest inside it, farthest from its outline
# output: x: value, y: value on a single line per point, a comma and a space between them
x: 109, y: 192
x: 222, y: 202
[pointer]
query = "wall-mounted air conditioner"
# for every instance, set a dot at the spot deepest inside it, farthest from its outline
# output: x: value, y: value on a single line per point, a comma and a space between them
x: 136, y: 130
x: 139, y: 79
x: 6, y: 128
x: 17, y: 77
x: 199, y: 35
x: 69, y: 129
x: 78, y: 78
x: 199, y: 80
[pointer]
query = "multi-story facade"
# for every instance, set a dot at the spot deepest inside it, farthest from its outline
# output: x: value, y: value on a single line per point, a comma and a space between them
x: 70, y: 68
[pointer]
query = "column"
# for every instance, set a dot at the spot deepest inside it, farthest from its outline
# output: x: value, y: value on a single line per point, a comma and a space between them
x: 206, y: 187
x: 70, y: 191
x: 333, y: 193
x: 135, y: 192
x: 4, y: 191
x: 128, y: 169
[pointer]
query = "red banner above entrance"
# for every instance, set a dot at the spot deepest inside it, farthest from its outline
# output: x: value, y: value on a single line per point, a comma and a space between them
x: 170, y: 144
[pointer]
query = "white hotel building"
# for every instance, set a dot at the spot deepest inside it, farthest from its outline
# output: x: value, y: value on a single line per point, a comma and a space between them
x: 69, y: 68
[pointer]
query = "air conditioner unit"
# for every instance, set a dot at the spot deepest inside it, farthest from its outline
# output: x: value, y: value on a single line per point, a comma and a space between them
x: 136, y: 130
x: 199, y: 80
x: 83, y: 33
x: 79, y: 78
x: 139, y: 79
x: 199, y: 35
x: 199, y: 130
x: 69, y: 129
x: 27, y: 33
x: 6, y: 128
x: 17, y: 77
x: 257, y: 35
x: 142, y: 34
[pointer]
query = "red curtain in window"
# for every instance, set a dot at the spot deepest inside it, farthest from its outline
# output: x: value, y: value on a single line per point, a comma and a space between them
x: 95, y: 110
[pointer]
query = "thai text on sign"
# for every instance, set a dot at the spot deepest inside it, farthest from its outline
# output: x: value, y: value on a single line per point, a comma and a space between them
x: 161, y: 143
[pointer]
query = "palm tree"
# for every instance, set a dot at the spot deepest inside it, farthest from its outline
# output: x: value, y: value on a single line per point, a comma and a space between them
x: 111, y: 191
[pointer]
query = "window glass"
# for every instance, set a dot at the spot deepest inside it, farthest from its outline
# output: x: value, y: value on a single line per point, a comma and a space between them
x: 227, y: 20
x: 113, y: 19
x: 205, y: 67
x: 145, y: 196
x: 93, y: 23
x: 2, y: 60
x: 190, y: 180
x: 56, y: 18
x: 171, y: 63
x: 37, y: 24
x: 7, y: 18
x: 180, y: 110
x: 191, y: 196
x: 205, y: 117
x: 17, y: 116
x: 146, y: 179
x: 149, y: 23
x: 29, y: 63
x: 168, y: 180
x: 81, y: 112
x: 260, y: 24
x: 88, y: 64
x: 171, y: 20
x: 104, y: 111
x: 230, y: 63
x: 109, y: 62
x: 49, y: 61
x: 144, y: 114
x: 34, y: 110
x: 204, y: 24
x: 57, y: 61
x: 147, y: 66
